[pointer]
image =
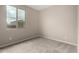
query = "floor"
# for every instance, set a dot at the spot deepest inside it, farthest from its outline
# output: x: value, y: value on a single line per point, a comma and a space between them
x: 40, y: 45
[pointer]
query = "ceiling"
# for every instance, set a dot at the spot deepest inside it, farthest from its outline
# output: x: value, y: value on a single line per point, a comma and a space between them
x: 39, y: 7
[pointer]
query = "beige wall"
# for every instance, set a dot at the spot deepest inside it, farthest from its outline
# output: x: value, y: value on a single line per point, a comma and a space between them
x: 59, y: 23
x: 78, y: 26
x: 56, y: 23
x: 30, y: 29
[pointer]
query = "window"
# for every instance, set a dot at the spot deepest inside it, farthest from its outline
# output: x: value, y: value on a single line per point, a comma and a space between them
x: 21, y: 18
x: 11, y: 17
x: 15, y: 17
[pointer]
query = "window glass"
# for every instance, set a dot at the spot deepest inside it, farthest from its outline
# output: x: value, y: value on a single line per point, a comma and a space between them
x: 11, y: 17
x: 21, y: 18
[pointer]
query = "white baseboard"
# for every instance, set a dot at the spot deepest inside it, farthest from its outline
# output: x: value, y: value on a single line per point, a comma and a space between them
x: 61, y: 41
x: 18, y: 41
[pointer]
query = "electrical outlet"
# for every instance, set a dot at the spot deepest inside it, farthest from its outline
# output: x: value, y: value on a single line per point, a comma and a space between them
x: 10, y: 38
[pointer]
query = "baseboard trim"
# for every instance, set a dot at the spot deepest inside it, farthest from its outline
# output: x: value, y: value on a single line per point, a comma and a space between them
x: 19, y: 41
x: 62, y: 41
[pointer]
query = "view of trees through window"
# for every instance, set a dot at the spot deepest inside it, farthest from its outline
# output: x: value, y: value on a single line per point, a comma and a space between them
x: 15, y: 17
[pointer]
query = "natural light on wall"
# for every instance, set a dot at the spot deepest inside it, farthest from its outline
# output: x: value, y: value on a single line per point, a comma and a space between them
x: 15, y: 17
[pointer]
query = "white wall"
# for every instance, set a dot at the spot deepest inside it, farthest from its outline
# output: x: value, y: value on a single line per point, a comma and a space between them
x: 29, y: 30
x: 59, y: 23
x: 78, y: 26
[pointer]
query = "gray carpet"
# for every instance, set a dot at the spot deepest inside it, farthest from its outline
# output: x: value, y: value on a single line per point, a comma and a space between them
x: 40, y: 45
